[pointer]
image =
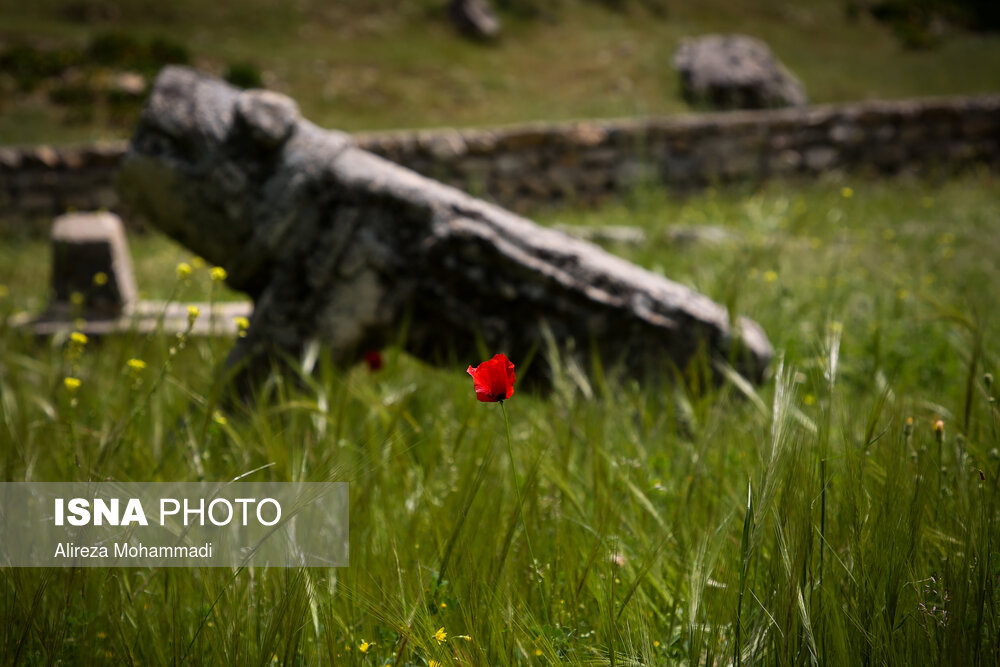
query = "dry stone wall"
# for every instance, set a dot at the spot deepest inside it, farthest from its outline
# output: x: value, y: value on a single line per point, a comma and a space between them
x: 528, y: 166
x: 41, y: 182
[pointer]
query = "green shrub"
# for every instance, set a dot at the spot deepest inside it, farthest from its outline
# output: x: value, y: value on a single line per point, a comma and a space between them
x: 122, y: 50
x: 243, y: 75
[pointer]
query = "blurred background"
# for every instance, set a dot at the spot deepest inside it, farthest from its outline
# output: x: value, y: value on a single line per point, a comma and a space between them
x: 74, y: 70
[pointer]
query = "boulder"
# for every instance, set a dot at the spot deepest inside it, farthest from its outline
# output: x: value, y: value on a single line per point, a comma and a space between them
x: 735, y: 72
x: 337, y: 245
x: 474, y: 18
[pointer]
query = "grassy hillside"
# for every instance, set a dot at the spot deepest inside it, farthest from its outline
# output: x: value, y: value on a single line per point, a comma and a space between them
x: 369, y: 65
x: 869, y: 538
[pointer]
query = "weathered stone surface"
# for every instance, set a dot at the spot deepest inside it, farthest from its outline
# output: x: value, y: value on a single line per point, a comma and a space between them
x: 475, y: 18
x: 90, y: 258
x: 735, y: 72
x: 336, y: 244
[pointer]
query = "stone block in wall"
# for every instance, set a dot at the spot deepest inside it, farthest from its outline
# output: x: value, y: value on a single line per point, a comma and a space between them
x: 42, y: 156
x: 964, y: 152
x: 502, y: 189
x: 475, y: 169
x: 680, y: 169
x: 601, y: 180
x: 816, y: 118
x: 977, y: 124
x: 782, y: 142
x: 884, y: 134
x: 72, y: 160
x: 600, y: 157
x: 378, y: 144
x: 36, y: 202
x: 847, y: 133
x: 912, y: 132
x: 106, y: 154
x: 629, y: 134
x: 538, y: 189
x: 443, y: 144
x: 521, y: 138
x: 10, y: 159
x: 628, y: 174
x: 401, y: 146
x: 516, y: 163
x: 888, y: 157
x: 74, y: 201
x: 943, y: 112
x: 785, y: 162
x: 570, y: 157
x: 563, y: 179
x: 820, y: 158
x: 586, y: 135
x: 480, y: 142
x: 743, y: 165
x: 105, y: 197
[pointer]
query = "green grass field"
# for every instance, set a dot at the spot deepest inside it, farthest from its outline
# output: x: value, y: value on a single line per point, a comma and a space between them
x: 377, y: 64
x: 804, y: 521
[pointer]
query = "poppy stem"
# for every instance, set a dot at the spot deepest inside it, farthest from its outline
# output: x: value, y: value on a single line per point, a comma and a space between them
x: 517, y: 489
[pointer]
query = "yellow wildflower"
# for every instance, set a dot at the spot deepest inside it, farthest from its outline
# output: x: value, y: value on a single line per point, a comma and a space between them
x: 242, y: 324
x: 183, y: 271
x: 71, y: 384
x: 76, y: 298
x: 219, y: 418
x: 433, y: 663
x: 193, y: 314
x: 197, y: 262
x: 441, y: 636
x: 78, y: 338
x: 218, y: 274
x: 100, y: 278
x: 136, y: 364
x: 365, y: 646
x: 846, y: 193
x: 770, y: 276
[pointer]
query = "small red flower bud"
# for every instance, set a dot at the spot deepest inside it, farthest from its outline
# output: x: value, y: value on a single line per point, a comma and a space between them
x: 373, y: 359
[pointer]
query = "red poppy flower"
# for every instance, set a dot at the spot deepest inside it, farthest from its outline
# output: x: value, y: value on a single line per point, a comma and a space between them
x: 493, y: 379
x: 373, y: 359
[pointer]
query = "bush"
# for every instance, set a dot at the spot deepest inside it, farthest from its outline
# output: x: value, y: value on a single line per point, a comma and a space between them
x: 119, y: 49
x: 29, y: 65
x: 243, y: 75
x: 912, y: 20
